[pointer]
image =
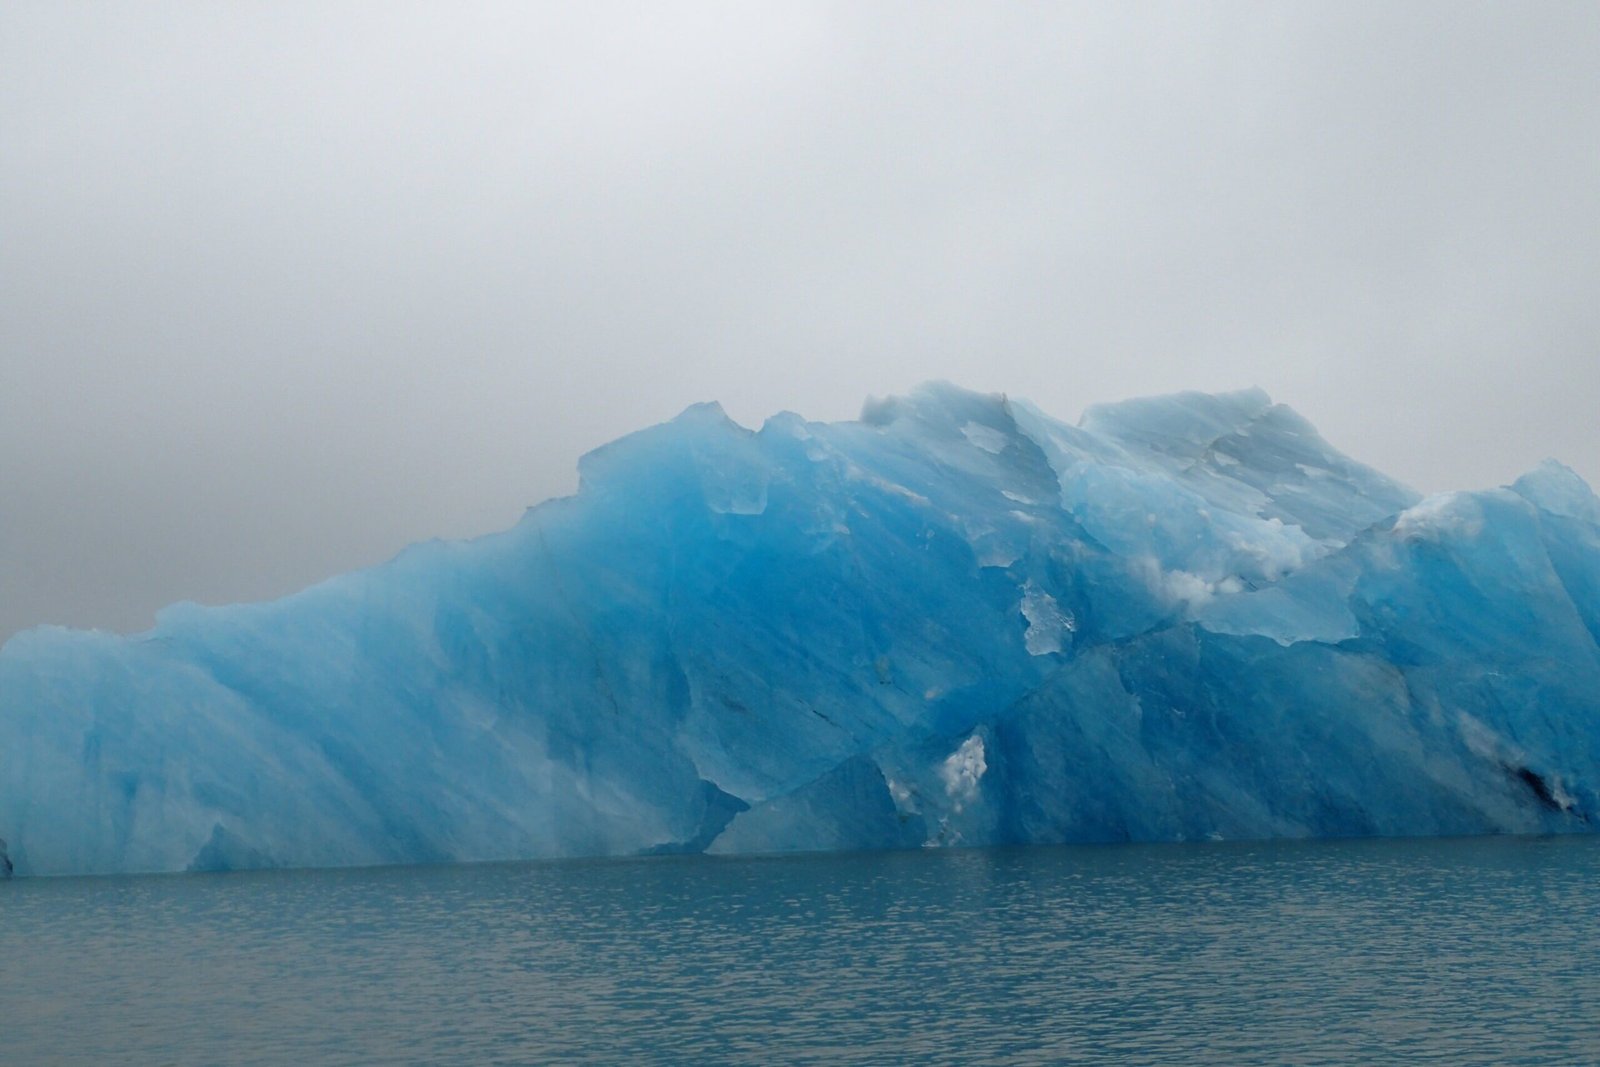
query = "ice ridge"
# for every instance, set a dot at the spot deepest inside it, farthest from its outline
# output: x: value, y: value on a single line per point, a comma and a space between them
x: 955, y: 620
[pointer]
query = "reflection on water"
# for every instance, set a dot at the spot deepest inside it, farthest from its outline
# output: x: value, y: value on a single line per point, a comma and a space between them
x: 1459, y: 951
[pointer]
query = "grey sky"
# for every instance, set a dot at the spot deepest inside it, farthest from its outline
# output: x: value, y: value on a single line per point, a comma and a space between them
x: 285, y: 287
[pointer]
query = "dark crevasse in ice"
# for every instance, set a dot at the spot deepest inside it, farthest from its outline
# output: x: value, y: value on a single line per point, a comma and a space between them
x: 954, y: 621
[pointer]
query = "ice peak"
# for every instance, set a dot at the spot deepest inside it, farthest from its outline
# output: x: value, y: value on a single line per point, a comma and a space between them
x: 1558, y: 489
x: 672, y: 443
x: 706, y: 411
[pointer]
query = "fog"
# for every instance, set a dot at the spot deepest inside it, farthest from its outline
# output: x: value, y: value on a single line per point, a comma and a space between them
x: 286, y: 287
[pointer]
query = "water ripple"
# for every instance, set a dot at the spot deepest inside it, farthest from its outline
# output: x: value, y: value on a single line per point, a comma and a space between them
x: 1462, y: 952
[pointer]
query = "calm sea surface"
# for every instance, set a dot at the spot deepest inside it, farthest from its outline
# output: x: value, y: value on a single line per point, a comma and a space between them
x: 1455, y: 951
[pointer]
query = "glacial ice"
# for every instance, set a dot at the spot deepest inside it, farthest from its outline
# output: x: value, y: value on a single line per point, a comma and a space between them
x: 954, y: 621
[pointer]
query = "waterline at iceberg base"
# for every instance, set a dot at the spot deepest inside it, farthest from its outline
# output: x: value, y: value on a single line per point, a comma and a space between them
x: 956, y: 621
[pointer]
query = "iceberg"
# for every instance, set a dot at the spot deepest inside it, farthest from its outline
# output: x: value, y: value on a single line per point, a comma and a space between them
x: 953, y: 621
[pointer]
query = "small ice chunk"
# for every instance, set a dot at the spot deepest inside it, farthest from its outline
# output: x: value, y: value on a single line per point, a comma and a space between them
x: 1048, y: 624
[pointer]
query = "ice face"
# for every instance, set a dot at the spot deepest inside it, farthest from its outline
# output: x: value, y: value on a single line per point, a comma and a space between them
x: 953, y: 621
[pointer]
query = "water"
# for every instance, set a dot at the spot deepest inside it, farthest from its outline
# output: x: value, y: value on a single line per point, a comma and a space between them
x: 1454, y: 951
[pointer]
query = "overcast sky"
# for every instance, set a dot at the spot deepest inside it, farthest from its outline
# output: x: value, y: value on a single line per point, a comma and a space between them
x: 285, y: 287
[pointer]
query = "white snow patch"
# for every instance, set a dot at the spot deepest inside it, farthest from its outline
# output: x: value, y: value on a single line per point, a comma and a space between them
x: 962, y: 770
x: 1186, y: 587
x: 1453, y: 514
x: 1273, y: 548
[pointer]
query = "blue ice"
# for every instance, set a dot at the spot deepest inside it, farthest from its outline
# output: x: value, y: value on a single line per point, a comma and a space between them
x: 954, y: 621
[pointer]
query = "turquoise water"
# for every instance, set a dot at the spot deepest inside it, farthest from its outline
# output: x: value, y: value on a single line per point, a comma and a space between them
x: 1447, y: 951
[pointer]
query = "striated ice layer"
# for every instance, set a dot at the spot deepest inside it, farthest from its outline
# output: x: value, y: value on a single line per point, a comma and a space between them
x: 954, y: 621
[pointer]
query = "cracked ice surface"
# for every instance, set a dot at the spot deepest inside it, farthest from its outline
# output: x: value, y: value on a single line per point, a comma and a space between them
x: 955, y: 620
